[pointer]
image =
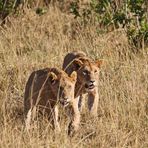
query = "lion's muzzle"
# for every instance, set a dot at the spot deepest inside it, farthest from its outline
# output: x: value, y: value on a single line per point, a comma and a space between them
x: 64, y: 102
x: 90, y: 86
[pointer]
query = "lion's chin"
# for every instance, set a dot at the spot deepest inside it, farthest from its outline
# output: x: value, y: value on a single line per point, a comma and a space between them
x: 89, y: 88
x: 64, y: 103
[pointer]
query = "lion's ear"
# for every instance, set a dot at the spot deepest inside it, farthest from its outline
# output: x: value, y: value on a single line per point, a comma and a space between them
x: 52, y: 77
x: 73, y: 76
x: 77, y: 63
x: 99, y: 63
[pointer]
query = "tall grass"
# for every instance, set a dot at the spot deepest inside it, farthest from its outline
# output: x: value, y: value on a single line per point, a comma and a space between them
x: 32, y: 42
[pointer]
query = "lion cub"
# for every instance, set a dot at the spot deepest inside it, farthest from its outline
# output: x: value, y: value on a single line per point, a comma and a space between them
x: 45, y: 90
x: 87, y: 78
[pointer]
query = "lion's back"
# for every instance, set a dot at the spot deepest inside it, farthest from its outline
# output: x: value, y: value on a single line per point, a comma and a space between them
x: 33, y: 86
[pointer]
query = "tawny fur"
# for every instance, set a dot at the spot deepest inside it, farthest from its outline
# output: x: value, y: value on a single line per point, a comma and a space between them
x: 87, y: 78
x: 45, y: 90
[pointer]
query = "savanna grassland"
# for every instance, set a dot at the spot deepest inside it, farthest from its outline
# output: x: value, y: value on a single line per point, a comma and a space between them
x: 29, y: 42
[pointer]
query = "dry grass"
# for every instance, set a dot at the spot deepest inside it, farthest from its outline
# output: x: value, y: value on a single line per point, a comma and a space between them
x: 31, y: 42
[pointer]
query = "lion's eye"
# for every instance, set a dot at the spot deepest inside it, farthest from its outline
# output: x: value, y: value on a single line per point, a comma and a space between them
x: 95, y: 71
x: 53, y: 81
x: 85, y: 72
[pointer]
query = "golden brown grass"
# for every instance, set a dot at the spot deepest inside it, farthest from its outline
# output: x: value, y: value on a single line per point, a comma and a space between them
x: 31, y: 42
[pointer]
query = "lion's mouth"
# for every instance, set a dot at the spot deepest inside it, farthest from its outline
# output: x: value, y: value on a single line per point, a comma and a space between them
x: 89, y: 86
x: 65, y: 103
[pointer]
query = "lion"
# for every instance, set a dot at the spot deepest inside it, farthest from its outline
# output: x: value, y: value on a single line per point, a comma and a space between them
x: 87, y: 78
x: 46, y: 89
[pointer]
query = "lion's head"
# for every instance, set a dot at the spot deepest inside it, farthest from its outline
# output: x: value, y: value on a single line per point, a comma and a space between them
x: 88, y: 72
x: 62, y: 85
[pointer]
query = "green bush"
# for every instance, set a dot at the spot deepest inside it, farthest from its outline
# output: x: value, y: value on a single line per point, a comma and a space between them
x: 8, y: 6
x: 132, y: 15
x: 128, y: 14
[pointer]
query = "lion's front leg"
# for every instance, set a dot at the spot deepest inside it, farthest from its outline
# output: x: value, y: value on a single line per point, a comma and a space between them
x: 30, y: 115
x: 28, y: 119
x: 55, y: 122
x: 93, y: 98
x: 81, y: 103
x: 75, y: 117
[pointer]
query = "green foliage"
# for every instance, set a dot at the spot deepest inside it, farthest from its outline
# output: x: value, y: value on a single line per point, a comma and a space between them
x: 132, y: 15
x: 74, y: 8
x: 128, y: 14
x: 8, y: 6
x: 41, y: 11
x: 5, y: 6
x: 137, y: 30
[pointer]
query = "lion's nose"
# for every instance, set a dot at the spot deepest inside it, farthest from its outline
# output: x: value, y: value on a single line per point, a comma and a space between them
x: 92, y: 81
x: 66, y: 98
